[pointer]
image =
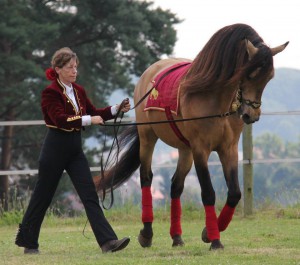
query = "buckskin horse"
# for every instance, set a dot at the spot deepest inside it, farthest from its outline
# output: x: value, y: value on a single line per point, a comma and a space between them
x: 206, y: 102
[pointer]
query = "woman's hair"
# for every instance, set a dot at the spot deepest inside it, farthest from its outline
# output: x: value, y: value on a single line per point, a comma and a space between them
x: 62, y: 56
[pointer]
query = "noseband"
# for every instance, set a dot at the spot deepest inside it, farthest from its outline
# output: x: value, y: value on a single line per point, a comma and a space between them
x: 239, y: 100
x: 252, y: 104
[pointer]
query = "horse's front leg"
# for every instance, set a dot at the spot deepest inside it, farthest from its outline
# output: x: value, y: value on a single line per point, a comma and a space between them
x: 208, y: 198
x: 184, y: 165
x: 229, y: 160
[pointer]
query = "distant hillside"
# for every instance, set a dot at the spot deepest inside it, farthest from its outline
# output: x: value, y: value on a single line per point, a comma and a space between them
x: 281, y: 94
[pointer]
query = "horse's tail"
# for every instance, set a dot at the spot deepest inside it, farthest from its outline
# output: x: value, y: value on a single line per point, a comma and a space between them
x: 129, y: 146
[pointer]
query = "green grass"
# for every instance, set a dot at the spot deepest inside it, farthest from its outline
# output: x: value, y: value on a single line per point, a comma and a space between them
x: 267, y: 237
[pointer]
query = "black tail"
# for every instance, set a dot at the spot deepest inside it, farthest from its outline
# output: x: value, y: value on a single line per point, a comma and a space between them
x: 128, y: 163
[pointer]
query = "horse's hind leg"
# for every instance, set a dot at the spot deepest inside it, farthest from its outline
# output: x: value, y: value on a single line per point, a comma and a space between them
x: 147, y: 143
x: 184, y: 165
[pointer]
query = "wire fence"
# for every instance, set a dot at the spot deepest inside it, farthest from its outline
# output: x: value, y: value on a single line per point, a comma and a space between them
x: 131, y: 119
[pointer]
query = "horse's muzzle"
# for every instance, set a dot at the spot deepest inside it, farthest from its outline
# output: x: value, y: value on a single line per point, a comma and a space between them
x: 249, y: 114
x: 248, y: 120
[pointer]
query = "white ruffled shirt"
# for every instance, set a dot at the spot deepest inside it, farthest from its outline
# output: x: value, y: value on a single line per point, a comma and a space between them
x: 86, y: 120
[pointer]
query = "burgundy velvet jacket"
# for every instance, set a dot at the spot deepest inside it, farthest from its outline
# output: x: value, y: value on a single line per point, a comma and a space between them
x: 59, y: 111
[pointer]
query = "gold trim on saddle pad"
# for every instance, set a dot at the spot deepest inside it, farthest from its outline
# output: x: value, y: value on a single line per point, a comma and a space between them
x: 154, y: 94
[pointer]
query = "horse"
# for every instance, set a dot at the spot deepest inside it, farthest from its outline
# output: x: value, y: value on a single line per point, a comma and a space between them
x: 215, y: 95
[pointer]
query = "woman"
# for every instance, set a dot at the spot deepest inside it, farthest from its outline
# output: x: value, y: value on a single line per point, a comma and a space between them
x: 66, y: 111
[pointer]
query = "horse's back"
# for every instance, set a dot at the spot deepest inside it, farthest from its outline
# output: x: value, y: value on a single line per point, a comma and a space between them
x: 145, y: 82
x: 149, y: 133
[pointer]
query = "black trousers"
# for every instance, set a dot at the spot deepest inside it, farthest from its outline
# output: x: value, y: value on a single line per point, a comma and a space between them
x: 63, y: 151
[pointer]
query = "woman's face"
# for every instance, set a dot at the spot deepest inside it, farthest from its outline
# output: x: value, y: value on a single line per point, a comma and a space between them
x: 68, y: 73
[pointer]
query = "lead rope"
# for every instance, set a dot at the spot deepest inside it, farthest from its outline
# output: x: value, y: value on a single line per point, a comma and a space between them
x: 116, y: 129
x: 119, y: 124
x: 124, y: 102
x: 115, y: 142
x: 102, y: 168
x: 159, y: 80
x: 222, y: 115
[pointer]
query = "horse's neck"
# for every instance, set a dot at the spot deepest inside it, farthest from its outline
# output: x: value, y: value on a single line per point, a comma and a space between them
x: 220, y: 99
x: 226, y: 96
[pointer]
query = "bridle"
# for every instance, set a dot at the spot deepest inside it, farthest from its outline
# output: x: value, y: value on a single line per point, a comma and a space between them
x: 252, y: 104
x: 239, y: 100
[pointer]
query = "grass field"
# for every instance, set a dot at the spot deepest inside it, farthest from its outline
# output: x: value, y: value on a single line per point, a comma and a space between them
x: 267, y: 237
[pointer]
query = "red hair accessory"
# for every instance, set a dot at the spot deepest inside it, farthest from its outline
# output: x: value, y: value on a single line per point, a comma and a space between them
x: 51, y: 74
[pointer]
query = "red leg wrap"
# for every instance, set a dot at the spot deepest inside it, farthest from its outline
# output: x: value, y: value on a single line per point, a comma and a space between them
x: 225, y: 217
x: 175, y: 228
x: 211, y: 223
x: 147, y: 208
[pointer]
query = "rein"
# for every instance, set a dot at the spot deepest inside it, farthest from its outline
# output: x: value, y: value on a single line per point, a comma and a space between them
x: 238, y: 99
x: 115, y: 141
x: 159, y: 80
x: 226, y: 114
x: 117, y: 124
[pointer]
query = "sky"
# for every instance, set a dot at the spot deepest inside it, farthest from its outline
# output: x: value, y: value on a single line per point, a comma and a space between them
x: 276, y: 21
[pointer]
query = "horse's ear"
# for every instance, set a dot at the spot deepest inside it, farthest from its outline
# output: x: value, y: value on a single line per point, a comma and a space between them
x: 279, y: 49
x: 251, y: 49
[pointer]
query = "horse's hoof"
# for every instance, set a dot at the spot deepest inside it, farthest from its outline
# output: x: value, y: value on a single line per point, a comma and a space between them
x: 216, y: 245
x: 145, y: 242
x: 177, y: 241
x: 205, y: 239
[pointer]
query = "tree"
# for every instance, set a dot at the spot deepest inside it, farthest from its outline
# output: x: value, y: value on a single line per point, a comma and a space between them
x: 115, y: 41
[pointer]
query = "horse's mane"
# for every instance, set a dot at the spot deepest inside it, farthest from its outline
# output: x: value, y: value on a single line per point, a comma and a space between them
x: 224, y: 60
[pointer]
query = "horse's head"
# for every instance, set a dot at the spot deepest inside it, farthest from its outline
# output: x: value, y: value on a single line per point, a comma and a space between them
x: 258, y: 72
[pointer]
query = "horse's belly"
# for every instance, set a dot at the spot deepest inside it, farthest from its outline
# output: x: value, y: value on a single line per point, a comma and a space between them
x: 164, y: 131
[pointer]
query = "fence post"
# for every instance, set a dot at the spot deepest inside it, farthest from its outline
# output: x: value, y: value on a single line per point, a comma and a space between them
x: 248, y: 169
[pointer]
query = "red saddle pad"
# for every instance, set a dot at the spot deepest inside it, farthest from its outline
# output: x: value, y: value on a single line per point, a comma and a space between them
x: 166, y: 88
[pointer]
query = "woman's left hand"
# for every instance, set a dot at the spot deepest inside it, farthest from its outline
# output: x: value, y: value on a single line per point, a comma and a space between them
x: 126, y: 106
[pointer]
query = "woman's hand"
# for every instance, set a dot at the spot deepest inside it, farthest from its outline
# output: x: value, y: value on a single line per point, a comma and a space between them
x: 97, y: 120
x: 126, y: 106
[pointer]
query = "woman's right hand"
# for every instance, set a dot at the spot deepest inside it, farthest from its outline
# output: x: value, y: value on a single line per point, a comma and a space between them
x: 97, y: 120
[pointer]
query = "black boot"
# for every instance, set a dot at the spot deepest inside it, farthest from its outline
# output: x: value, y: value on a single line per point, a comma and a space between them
x: 24, y: 238
x: 115, y: 245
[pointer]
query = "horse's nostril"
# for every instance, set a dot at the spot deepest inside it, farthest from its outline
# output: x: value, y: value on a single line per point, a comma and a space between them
x: 246, y: 117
